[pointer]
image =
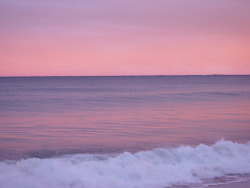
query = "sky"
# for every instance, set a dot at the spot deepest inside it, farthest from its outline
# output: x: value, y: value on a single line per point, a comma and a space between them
x: 124, y: 37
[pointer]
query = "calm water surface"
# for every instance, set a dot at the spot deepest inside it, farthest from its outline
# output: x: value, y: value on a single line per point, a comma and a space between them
x: 44, y: 116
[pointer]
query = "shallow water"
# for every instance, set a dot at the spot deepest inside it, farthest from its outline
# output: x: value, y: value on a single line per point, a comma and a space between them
x: 46, y: 117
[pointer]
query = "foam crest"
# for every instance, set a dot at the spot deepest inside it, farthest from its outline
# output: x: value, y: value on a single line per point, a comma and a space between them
x: 158, y: 168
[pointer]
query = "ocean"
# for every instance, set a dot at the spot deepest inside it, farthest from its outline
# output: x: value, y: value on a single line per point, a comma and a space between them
x: 124, y: 131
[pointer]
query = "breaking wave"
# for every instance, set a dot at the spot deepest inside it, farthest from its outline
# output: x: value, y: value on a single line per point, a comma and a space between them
x: 161, y: 167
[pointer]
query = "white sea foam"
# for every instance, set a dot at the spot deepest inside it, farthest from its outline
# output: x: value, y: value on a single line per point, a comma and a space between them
x: 157, y: 168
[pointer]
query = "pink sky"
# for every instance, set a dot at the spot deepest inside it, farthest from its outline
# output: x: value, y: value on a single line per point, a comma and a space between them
x: 124, y: 37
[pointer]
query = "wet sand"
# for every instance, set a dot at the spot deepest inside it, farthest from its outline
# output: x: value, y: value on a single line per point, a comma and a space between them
x: 244, y: 184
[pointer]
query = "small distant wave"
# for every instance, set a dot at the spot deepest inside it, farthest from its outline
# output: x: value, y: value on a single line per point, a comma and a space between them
x: 158, y: 168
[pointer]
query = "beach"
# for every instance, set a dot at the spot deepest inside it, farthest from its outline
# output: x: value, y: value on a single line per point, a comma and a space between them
x: 244, y: 184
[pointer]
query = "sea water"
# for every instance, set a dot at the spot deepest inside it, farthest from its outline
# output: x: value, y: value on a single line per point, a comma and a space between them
x: 124, y: 131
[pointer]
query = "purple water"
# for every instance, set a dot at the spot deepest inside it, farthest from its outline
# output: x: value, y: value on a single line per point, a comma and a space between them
x: 86, y: 123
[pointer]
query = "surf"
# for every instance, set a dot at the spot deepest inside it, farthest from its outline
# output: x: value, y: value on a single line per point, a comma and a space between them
x: 157, y: 168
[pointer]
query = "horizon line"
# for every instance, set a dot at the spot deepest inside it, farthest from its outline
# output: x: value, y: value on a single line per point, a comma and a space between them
x: 129, y: 75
